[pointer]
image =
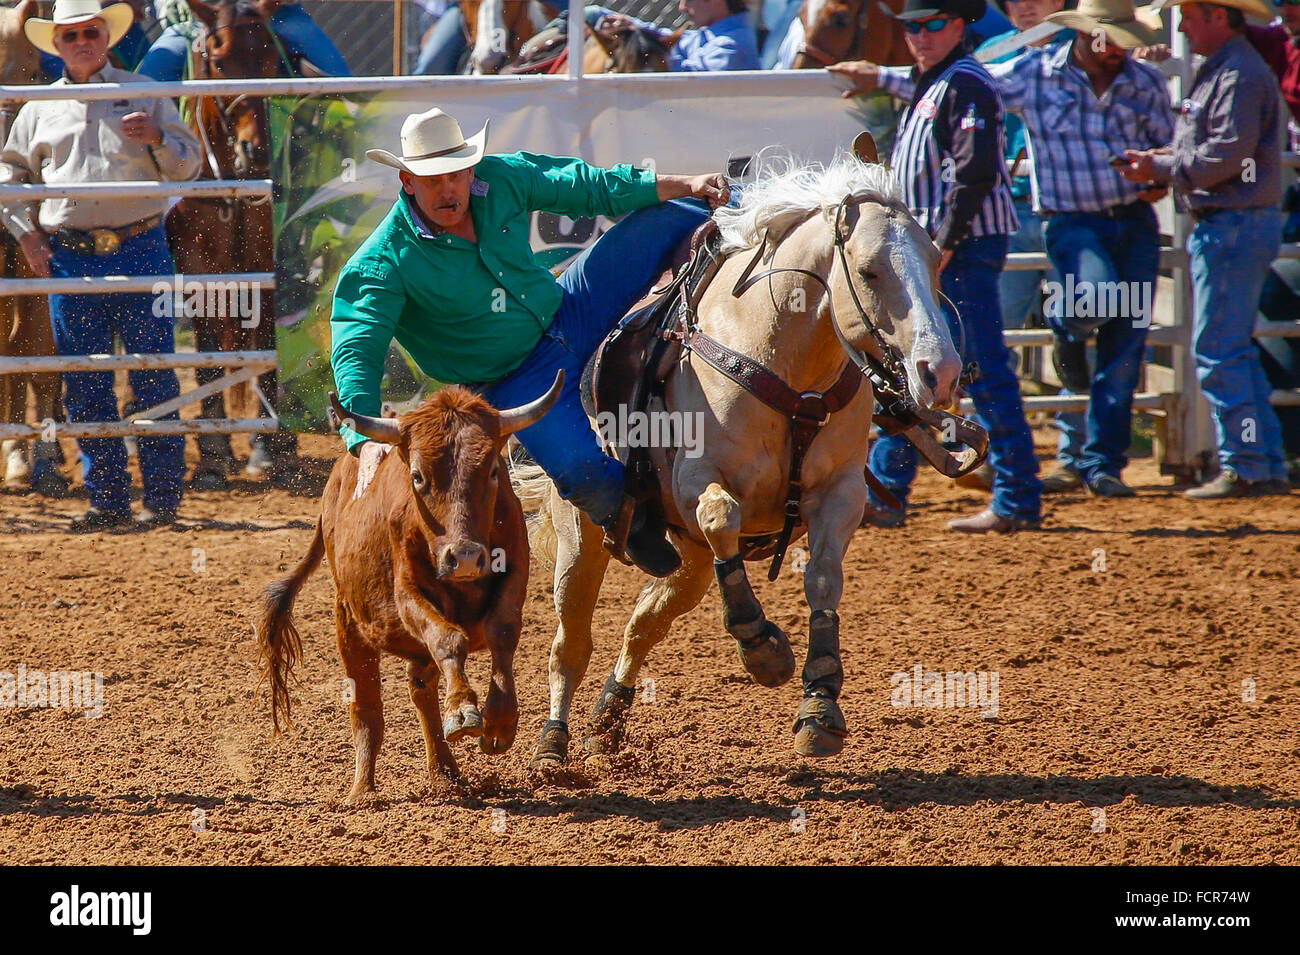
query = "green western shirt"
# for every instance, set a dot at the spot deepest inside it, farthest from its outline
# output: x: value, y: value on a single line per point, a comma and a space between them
x: 466, y: 312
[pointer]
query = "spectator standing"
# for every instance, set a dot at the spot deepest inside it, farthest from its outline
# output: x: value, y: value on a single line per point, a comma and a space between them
x: 66, y: 141
x: 1084, y: 103
x: 1224, y: 164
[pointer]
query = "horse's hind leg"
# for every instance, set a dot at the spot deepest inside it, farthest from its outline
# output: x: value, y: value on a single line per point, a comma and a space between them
x: 422, y: 680
x: 764, y: 648
x: 661, y: 602
x: 580, y: 564
x: 361, y: 664
x: 832, y: 516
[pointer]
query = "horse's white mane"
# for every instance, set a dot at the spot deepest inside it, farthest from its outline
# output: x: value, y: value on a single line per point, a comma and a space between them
x: 786, y: 191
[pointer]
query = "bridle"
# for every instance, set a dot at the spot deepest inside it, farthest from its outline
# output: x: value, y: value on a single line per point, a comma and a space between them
x: 887, y: 374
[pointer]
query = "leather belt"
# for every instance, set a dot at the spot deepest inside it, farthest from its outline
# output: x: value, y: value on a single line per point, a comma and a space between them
x: 1126, y: 211
x: 104, y: 241
x: 1204, y: 212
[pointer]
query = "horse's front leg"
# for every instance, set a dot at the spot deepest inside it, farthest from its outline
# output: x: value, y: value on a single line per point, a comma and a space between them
x: 764, y: 648
x: 832, y: 513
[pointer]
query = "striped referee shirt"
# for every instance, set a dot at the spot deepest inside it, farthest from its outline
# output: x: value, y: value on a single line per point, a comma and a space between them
x: 948, y: 153
x: 1073, y: 133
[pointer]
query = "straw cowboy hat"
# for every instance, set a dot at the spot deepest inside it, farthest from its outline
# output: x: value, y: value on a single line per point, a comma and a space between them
x: 117, y: 18
x: 1258, y: 9
x: 1127, y: 27
x: 433, y: 145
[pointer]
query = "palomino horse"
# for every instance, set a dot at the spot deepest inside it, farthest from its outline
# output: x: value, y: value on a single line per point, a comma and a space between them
x: 24, y: 319
x: 847, y: 270
x: 497, y: 29
x: 836, y: 30
x: 224, y: 236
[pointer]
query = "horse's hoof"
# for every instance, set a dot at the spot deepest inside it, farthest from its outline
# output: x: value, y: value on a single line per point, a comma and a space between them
x: 553, y: 746
x: 209, y: 480
x: 609, y: 717
x: 359, y: 795
x: 51, y: 484
x: 462, y: 723
x: 767, y: 658
x: 819, y: 729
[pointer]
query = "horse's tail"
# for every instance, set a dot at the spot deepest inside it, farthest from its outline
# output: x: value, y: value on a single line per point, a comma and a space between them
x: 277, y: 637
x: 533, y: 488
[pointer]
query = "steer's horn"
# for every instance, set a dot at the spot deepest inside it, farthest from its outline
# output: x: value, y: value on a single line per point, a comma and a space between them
x: 387, y: 430
x: 516, y: 419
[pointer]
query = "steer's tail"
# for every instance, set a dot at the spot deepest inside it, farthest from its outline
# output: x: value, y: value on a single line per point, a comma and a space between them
x: 533, y: 488
x: 277, y: 637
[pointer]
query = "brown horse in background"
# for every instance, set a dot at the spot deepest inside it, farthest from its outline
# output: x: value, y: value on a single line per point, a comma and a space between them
x: 24, y: 319
x: 225, y: 236
x: 618, y: 51
x: 837, y: 30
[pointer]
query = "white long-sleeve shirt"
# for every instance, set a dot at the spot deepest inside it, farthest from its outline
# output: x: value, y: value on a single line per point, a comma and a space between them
x: 70, y: 141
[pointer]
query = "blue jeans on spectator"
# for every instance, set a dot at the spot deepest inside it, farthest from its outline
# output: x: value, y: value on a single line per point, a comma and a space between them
x: 1097, y: 252
x: 601, y: 285
x: 165, y: 61
x: 1231, y: 252
x: 84, y: 325
x: 441, y: 53
x: 971, y: 281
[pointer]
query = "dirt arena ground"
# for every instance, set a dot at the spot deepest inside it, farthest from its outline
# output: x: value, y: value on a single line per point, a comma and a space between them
x: 1146, y: 713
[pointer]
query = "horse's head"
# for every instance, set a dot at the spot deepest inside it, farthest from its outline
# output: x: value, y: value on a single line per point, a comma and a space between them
x: 837, y: 30
x: 20, y: 64
x: 893, y: 267
x: 238, y: 44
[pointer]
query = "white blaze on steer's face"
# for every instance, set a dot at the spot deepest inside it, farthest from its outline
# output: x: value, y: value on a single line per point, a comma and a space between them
x: 896, y: 263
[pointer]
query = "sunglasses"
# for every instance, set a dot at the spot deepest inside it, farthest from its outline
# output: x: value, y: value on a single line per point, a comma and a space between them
x: 87, y: 33
x: 933, y: 25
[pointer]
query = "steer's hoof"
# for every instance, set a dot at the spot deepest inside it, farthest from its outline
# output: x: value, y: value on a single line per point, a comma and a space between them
x: 553, y: 747
x: 462, y: 723
x: 767, y: 657
x: 819, y: 728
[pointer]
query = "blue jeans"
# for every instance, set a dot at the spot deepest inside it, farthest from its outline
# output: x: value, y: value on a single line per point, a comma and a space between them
x: 1231, y: 252
x: 441, y: 53
x: 84, y: 325
x: 601, y: 285
x: 971, y: 281
x: 165, y: 61
x: 1090, y: 253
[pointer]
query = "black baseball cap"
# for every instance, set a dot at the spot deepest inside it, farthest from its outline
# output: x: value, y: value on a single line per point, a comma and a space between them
x: 968, y: 10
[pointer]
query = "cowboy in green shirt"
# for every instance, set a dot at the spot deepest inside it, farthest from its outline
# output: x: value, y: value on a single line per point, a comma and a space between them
x: 450, y: 274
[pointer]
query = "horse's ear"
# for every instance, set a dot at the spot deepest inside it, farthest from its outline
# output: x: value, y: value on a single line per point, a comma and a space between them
x: 864, y: 147
x: 204, y: 12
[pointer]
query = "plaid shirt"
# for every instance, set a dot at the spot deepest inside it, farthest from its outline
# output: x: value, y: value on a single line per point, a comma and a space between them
x: 1073, y: 134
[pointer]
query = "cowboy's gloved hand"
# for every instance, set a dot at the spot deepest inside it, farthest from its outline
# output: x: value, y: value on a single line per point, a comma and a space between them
x: 369, y: 458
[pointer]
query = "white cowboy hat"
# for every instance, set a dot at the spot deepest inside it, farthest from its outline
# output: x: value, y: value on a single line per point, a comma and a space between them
x: 1128, y: 27
x: 433, y: 145
x: 117, y: 18
x: 1260, y: 10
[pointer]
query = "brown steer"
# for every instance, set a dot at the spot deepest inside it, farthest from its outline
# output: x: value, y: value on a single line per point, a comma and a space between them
x: 429, y: 563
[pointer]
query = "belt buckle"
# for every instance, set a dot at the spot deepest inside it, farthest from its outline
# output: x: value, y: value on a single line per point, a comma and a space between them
x: 106, y: 241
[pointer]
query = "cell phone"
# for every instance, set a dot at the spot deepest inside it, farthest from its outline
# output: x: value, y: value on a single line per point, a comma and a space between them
x: 1118, y: 161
